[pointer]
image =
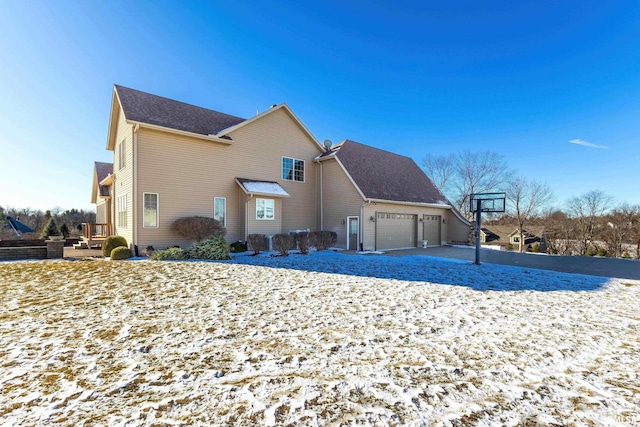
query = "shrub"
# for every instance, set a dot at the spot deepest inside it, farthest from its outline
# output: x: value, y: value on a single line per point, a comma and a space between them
x: 214, y: 248
x: 112, y: 242
x: 198, y: 227
x: 64, y: 230
x: 238, y: 247
x: 626, y: 255
x: 302, y: 239
x: 283, y: 242
x: 509, y: 246
x: 170, y: 254
x: 591, y: 251
x: 536, y: 247
x: 323, y: 240
x: 602, y: 252
x: 121, y: 252
x: 51, y: 229
x: 257, y: 242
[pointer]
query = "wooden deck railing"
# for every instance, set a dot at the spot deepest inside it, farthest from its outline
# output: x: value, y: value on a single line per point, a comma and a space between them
x: 92, y: 231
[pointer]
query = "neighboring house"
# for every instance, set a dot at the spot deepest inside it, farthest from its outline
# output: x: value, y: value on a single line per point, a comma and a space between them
x: 267, y: 174
x: 502, y: 235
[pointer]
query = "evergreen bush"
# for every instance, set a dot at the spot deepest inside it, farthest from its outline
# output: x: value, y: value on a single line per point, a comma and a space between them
x: 170, y: 254
x: 509, y: 246
x: 302, y: 240
x: 626, y: 255
x: 198, y: 227
x: 602, y: 252
x: 112, y: 242
x: 50, y: 229
x: 121, y: 252
x: 591, y: 251
x: 238, y: 247
x: 214, y: 248
x: 323, y: 240
x: 536, y: 247
x: 283, y: 243
x: 257, y: 243
x: 64, y: 230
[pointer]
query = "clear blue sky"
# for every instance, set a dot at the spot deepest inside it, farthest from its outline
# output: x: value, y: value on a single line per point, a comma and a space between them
x: 521, y: 79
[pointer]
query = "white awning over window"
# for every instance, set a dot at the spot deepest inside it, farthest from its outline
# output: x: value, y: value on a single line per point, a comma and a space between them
x: 262, y: 188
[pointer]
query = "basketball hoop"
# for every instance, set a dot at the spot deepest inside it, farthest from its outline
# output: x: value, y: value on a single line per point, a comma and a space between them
x: 485, y: 202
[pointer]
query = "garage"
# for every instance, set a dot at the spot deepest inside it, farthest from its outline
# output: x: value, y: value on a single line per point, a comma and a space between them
x: 431, y: 230
x: 395, y: 230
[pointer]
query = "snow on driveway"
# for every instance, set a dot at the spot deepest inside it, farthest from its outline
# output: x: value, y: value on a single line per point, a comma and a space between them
x: 325, y: 339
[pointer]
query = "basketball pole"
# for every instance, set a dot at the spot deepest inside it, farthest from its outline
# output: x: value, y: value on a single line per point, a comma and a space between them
x: 477, y: 231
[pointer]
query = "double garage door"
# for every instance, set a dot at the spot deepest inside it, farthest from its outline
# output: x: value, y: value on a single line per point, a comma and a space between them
x: 395, y: 231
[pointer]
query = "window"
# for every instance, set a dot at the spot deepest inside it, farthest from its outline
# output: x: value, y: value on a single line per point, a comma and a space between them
x: 122, y: 211
x: 516, y: 239
x: 292, y: 169
x: 122, y: 154
x: 150, y: 210
x: 220, y: 210
x: 265, y: 209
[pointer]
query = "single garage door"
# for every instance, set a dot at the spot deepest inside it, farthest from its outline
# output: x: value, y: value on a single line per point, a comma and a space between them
x: 431, y: 232
x: 394, y: 231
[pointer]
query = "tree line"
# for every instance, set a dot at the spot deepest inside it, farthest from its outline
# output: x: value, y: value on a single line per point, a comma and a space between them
x: 70, y: 219
x: 588, y: 223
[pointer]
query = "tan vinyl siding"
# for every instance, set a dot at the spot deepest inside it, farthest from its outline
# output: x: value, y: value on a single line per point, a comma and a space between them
x: 101, y: 212
x: 264, y: 226
x: 340, y: 199
x: 370, y: 210
x: 458, y: 230
x: 124, y: 176
x: 187, y: 173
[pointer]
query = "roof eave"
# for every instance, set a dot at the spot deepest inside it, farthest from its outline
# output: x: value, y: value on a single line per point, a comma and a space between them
x: 212, y: 138
x: 398, y: 202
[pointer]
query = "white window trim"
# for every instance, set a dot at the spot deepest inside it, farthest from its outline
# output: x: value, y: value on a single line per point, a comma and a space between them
x: 157, y: 211
x: 304, y: 172
x: 265, y: 210
x: 224, y: 223
x: 122, y: 208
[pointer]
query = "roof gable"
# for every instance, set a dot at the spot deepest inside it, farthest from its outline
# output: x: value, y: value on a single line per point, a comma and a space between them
x: 101, y: 170
x: 384, y: 175
x: 156, y: 110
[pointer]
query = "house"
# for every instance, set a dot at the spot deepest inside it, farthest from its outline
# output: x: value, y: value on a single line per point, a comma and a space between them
x: 267, y: 174
x: 503, y: 235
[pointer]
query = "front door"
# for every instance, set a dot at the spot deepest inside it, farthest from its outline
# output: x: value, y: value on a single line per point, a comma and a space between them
x: 352, y: 232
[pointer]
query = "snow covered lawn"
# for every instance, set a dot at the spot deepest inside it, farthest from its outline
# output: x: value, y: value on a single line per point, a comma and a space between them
x: 324, y: 339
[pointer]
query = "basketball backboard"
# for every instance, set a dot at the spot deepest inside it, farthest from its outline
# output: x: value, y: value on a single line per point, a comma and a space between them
x: 489, y: 202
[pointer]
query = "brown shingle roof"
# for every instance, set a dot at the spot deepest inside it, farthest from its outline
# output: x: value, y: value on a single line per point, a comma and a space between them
x: 102, y: 171
x: 387, y: 176
x: 155, y: 110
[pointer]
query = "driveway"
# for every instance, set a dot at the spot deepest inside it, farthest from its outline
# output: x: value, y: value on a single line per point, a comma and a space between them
x: 593, y: 266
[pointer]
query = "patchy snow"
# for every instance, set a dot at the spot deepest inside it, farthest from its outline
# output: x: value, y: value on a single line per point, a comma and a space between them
x: 264, y: 187
x: 322, y: 339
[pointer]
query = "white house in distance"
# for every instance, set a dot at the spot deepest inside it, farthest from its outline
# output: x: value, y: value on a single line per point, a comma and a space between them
x: 267, y: 174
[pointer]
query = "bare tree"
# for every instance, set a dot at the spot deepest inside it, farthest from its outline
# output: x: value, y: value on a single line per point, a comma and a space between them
x: 526, y: 199
x: 460, y: 175
x: 440, y: 169
x: 586, y: 212
x: 559, y: 232
x: 620, y: 226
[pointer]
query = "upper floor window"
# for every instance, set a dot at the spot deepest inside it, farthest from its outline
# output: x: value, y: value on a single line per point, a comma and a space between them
x: 292, y: 169
x: 122, y: 154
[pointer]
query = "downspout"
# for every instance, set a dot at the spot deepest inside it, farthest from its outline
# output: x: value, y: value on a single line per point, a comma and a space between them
x: 321, y: 201
x: 246, y: 218
x: 135, y: 188
x: 368, y: 202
